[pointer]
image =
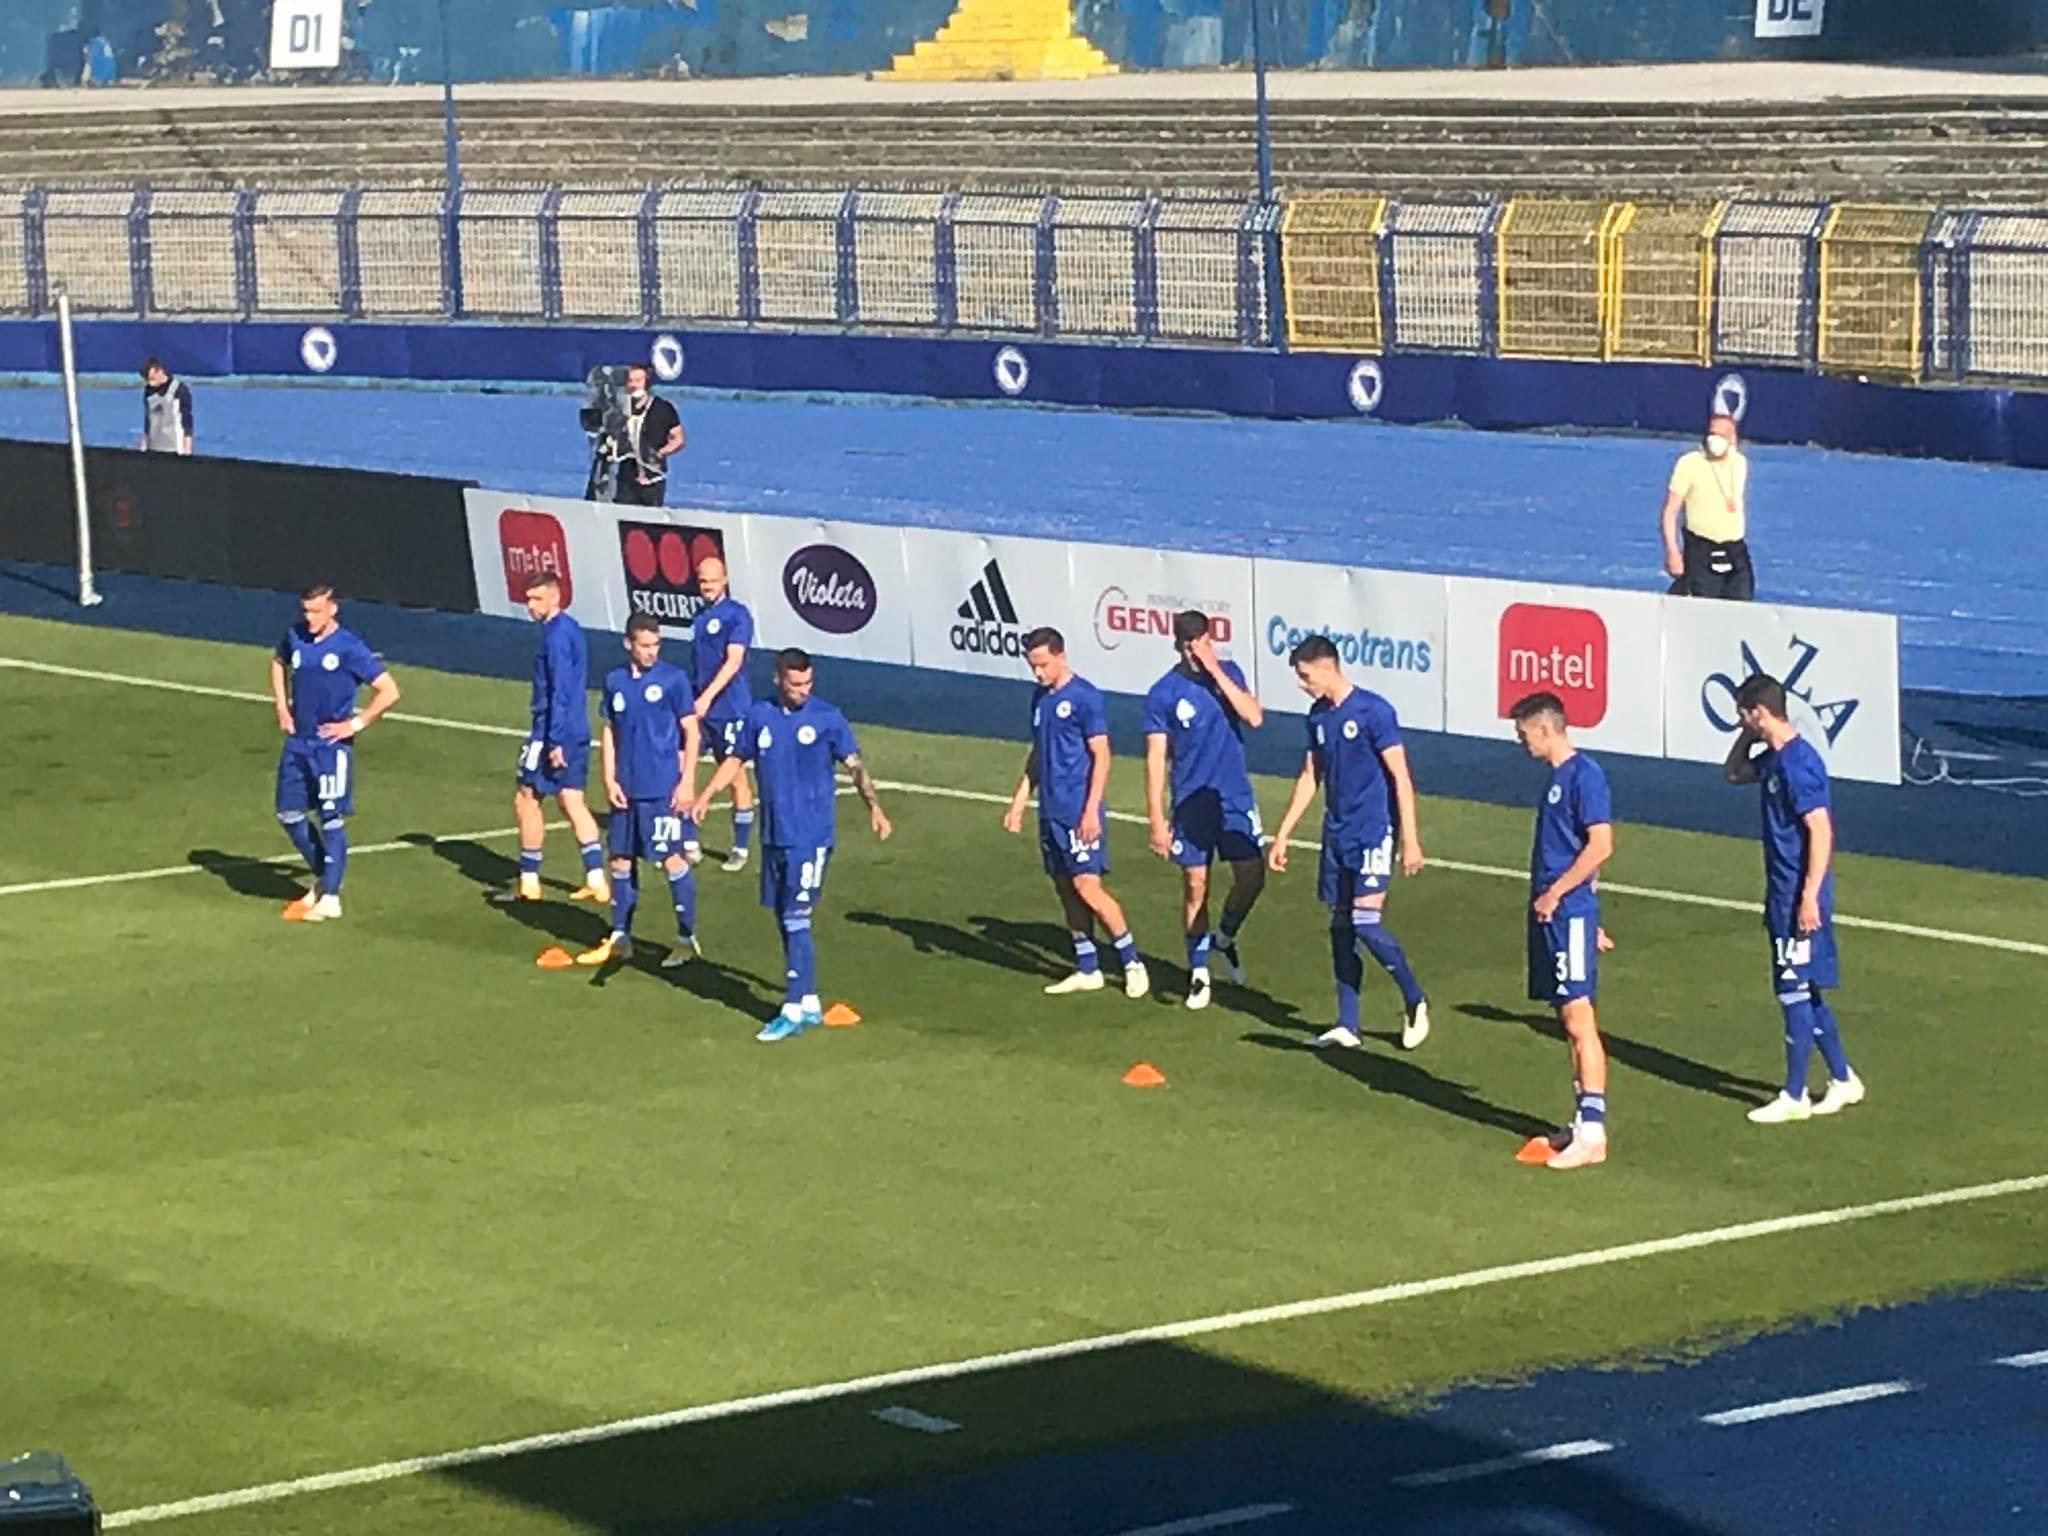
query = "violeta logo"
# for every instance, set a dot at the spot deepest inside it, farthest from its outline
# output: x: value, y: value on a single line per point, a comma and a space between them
x: 1365, y: 648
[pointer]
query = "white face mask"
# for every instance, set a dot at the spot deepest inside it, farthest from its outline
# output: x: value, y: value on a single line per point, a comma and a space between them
x: 639, y: 396
x: 1717, y: 446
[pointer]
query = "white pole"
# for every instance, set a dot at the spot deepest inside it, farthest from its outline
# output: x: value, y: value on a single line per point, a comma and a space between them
x: 88, y: 595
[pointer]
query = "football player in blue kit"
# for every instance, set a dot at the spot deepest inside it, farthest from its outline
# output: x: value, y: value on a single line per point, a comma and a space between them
x: 1194, y: 723
x: 648, y: 746
x: 1068, y: 764
x: 314, y: 676
x: 555, y: 758
x: 794, y: 742
x: 1355, y: 755
x: 1799, y: 896
x: 719, y: 637
x: 1574, y: 837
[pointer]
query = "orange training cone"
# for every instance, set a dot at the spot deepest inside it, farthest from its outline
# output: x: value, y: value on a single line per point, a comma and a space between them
x: 1537, y: 1149
x: 841, y: 1016
x: 295, y: 912
x: 554, y: 958
x: 1145, y: 1075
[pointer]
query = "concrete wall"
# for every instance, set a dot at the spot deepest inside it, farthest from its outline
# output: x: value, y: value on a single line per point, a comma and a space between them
x: 514, y: 39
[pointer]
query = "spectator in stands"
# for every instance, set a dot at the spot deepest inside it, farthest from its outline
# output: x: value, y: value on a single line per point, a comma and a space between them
x: 166, y: 410
x: 654, y: 435
x: 1710, y: 485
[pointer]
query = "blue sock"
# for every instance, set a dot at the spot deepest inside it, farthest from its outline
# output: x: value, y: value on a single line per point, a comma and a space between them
x: 1198, y: 950
x: 1226, y: 931
x: 334, y: 848
x: 529, y: 861
x: 1798, y: 1010
x: 1349, y: 970
x: 1828, y: 1035
x: 1386, y: 949
x: 1086, y: 960
x: 1592, y: 1108
x: 625, y: 897
x: 1126, y: 950
x: 682, y: 890
x: 801, y: 956
x: 742, y: 830
x: 301, y: 834
x: 593, y: 857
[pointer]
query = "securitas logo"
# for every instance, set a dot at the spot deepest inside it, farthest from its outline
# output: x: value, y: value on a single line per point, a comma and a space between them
x: 533, y: 544
x: 1119, y: 616
x: 661, y: 561
x: 1355, y: 647
x: 988, y: 619
x: 1556, y: 650
x: 1808, y: 713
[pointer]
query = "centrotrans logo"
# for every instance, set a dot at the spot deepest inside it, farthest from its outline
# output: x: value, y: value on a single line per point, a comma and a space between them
x: 1365, y: 648
x: 988, y: 619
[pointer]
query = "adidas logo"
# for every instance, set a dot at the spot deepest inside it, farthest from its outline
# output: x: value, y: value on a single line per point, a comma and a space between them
x: 988, y: 619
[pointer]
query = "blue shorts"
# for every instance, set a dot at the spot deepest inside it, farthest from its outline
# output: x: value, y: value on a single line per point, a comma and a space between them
x: 1564, y: 955
x: 1350, y: 870
x: 538, y: 775
x: 722, y: 738
x: 1804, y: 960
x: 648, y: 829
x: 792, y: 879
x: 1205, y: 829
x: 316, y: 775
x: 1067, y: 855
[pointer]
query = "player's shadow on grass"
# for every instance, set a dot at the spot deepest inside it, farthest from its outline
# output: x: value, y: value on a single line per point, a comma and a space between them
x: 249, y: 877
x: 1400, y: 1075
x: 737, y: 991
x: 1032, y: 949
x: 493, y: 874
x: 1653, y: 1060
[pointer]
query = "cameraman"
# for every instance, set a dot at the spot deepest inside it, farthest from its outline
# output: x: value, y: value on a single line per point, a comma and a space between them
x: 651, y: 434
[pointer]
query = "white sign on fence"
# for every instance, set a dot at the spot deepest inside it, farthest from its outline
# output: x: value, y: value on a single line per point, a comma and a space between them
x: 1840, y: 671
x: 839, y: 589
x: 305, y: 34
x: 1388, y: 627
x: 1789, y: 18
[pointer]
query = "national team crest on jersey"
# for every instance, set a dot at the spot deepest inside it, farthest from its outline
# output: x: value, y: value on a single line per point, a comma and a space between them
x: 1064, y: 709
x: 652, y: 693
x: 806, y: 734
x: 330, y: 662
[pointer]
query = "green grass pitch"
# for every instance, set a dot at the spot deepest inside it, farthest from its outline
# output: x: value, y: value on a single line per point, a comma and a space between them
x: 284, y: 1199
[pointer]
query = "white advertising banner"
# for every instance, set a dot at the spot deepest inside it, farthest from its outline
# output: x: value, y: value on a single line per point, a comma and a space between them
x: 1790, y: 18
x: 512, y: 537
x: 1840, y: 671
x: 1388, y: 627
x: 1129, y: 596
x: 972, y: 598
x: 836, y: 589
x: 1598, y: 650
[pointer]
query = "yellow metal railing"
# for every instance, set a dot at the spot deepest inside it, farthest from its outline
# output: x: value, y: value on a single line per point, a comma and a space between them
x: 1550, y: 264
x: 1870, y: 289
x: 1330, y: 262
x: 1660, y: 281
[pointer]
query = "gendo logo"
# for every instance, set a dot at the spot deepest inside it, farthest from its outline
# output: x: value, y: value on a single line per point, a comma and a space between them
x: 1555, y: 650
x: 533, y: 544
x: 1118, y: 616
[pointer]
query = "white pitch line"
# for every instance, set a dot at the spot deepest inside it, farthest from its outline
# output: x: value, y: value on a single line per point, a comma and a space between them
x: 1043, y: 1354
x: 909, y: 1418
x: 1564, y: 1450
x: 1222, y: 1519
x: 986, y: 797
x: 2026, y: 1362
x: 1785, y: 1407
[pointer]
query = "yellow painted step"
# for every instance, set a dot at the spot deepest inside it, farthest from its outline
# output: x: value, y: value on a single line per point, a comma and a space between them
x: 1005, y: 40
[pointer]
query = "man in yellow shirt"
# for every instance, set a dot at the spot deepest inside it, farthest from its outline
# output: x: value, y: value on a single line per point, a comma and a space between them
x: 1710, y: 485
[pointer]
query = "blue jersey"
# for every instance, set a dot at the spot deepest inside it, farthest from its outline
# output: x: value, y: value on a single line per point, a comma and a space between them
x: 561, y: 714
x: 1575, y: 801
x: 1794, y: 780
x: 717, y: 626
x: 794, y: 752
x: 1063, y: 721
x: 1204, y: 737
x: 322, y: 676
x: 1346, y: 740
x: 646, y: 711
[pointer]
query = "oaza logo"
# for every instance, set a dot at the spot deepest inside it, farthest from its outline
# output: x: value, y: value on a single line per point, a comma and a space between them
x: 1717, y: 693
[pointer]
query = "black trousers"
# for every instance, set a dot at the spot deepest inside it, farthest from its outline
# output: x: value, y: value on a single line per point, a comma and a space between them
x: 1716, y: 570
x: 631, y: 493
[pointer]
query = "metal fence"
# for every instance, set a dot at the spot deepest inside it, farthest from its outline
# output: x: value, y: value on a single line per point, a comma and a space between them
x: 1898, y: 292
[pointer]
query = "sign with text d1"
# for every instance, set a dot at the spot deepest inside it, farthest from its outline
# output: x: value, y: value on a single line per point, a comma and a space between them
x: 1840, y: 671
x: 1597, y: 649
x: 1387, y: 626
x: 1789, y: 18
x: 305, y: 34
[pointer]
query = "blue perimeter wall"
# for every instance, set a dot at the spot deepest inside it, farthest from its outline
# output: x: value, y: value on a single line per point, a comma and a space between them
x: 1956, y: 550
